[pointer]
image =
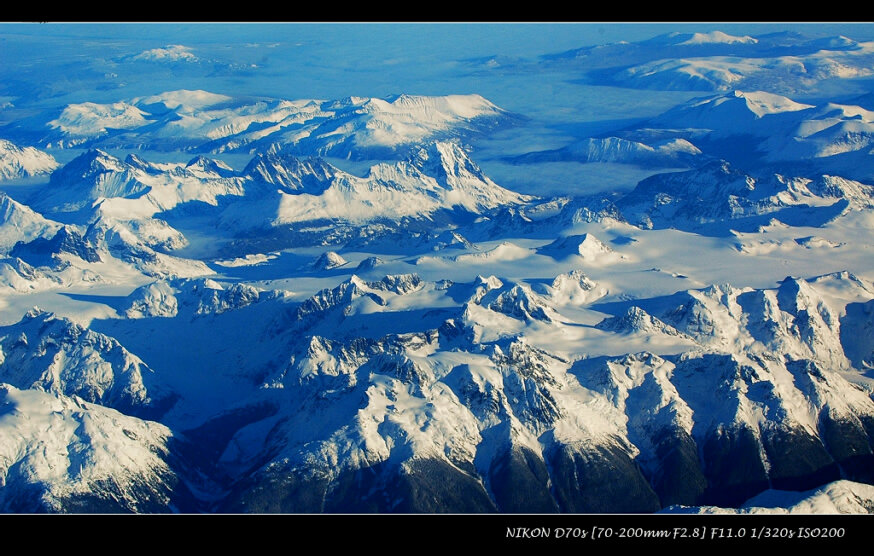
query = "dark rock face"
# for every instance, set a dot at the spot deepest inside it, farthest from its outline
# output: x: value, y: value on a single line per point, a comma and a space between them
x: 850, y: 446
x: 599, y: 479
x: 583, y: 481
x: 277, y: 493
x: 419, y: 486
x: 435, y: 486
x: 520, y: 482
x: 723, y: 466
x: 200, y: 448
x: 733, y: 467
x: 798, y: 460
x: 679, y: 479
x: 45, y: 252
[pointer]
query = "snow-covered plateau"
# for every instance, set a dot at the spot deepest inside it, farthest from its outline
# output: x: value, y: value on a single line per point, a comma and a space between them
x: 215, y: 299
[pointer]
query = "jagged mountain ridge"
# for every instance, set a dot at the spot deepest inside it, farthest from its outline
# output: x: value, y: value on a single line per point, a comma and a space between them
x: 438, y: 177
x: 120, y: 205
x: 352, y: 127
x: 676, y: 199
x: 652, y: 440
x: 491, y: 414
x: 133, y: 187
x: 553, y: 381
x: 717, y: 197
x: 58, y: 356
x: 277, y: 188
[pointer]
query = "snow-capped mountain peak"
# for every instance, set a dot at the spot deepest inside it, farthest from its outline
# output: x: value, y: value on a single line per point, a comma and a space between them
x: 761, y: 103
x: 209, y: 166
x: 329, y: 260
x: 716, y: 37
x: 90, y: 119
x: 18, y: 223
x: 637, y: 320
x: 60, y: 356
x: 732, y: 112
x: 17, y: 162
x: 86, y: 178
x: 466, y: 183
x: 290, y: 174
x: 63, y: 454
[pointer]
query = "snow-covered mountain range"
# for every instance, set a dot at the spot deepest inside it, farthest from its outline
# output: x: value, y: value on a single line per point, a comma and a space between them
x: 219, y: 302
x: 207, y: 122
x: 717, y: 61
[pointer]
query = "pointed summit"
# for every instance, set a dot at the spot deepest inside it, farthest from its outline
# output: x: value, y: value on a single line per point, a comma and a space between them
x: 18, y: 162
x: 20, y: 223
x: 91, y: 163
x: 46, y: 252
x: 636, y: 319
x: 587, y: 246
x: 135, y: 161
x: 328, y: 261
x: 446, y: 161
x: 210, y: 165
x: 730, y: 113
x: 89, y: 176
x: 466, y: 184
